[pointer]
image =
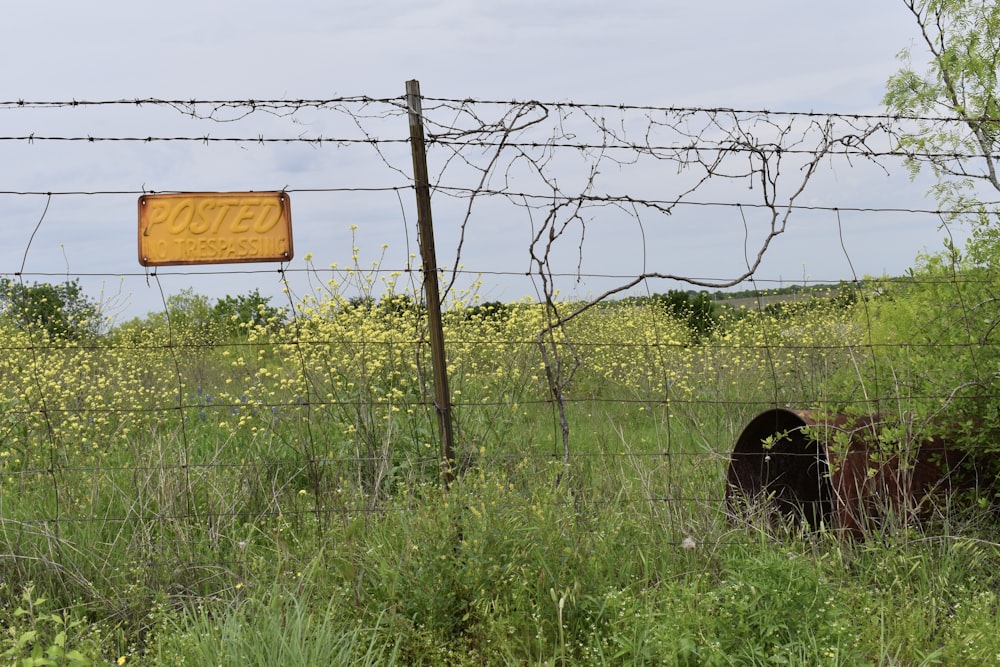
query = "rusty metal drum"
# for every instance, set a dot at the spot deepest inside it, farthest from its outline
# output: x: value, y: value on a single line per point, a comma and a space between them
x: 836, y: 471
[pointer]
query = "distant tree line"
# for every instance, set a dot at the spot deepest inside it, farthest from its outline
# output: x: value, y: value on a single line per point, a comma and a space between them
x: 198, y: 318
x: 817, y: 290
x: 64, y: 311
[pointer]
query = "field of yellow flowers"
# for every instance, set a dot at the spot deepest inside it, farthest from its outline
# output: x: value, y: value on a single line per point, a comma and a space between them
x: 169, y: 496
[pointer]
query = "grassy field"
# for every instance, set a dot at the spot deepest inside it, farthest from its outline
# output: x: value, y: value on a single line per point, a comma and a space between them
x: 172, y: 496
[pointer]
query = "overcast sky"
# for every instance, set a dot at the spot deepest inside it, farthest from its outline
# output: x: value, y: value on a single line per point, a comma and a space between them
x: 780, y: 55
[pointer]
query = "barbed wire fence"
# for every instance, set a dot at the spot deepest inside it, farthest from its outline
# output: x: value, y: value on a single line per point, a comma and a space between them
x: 576, y: 206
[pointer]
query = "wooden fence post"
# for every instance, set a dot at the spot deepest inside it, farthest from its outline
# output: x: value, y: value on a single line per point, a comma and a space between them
x: 421, y: 183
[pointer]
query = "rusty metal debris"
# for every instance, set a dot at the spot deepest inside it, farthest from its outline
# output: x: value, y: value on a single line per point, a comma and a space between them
x: 835, y: 471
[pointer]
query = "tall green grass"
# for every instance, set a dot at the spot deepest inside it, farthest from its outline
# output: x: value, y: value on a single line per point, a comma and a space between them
x: 275, y: 499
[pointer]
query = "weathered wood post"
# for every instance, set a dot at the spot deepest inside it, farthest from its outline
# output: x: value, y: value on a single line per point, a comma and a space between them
x: 421, y: 183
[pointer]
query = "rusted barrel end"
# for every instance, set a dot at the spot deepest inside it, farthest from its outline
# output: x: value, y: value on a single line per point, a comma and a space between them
x: 829, y: 470
x: 778, y: 465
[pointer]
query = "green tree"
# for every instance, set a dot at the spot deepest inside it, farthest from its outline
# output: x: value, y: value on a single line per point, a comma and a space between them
x: 195, y: 318
x: 953, y: 101
x: 191, y: 311
x: 933, y: 357
x: 237, y: 314
x: 697, y: 309
x: 61, y: 310
x: 188, y: 316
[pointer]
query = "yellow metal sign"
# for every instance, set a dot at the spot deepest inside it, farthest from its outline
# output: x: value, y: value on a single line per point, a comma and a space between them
x: 215, y: 228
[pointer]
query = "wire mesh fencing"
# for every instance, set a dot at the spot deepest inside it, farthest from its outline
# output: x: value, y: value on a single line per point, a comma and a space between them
x: 159, y: 421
